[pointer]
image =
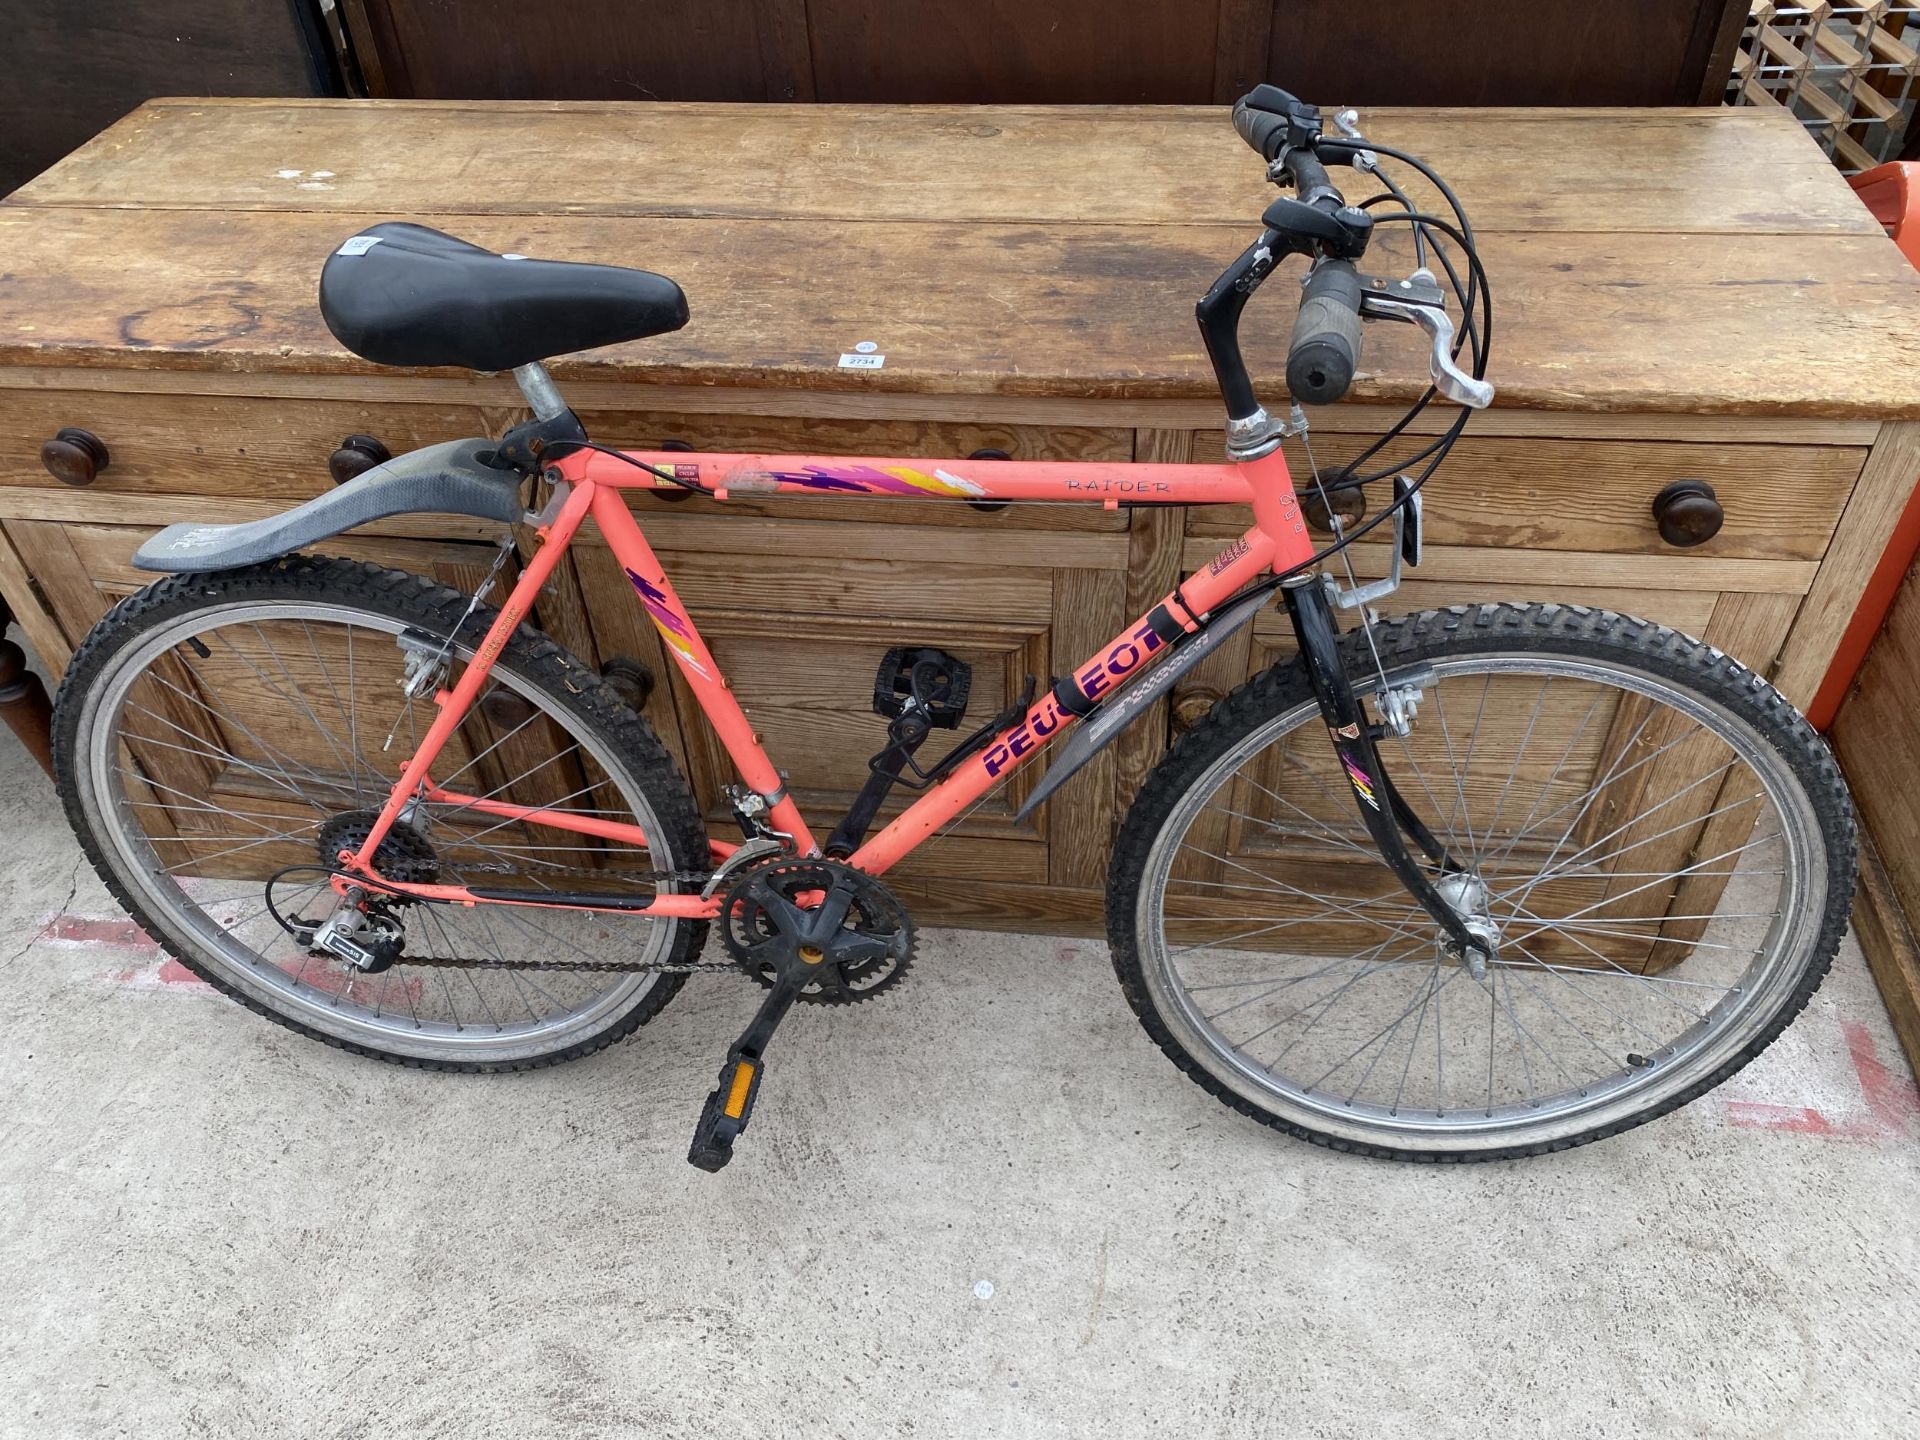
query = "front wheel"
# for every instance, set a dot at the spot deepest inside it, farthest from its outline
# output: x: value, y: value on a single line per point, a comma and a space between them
x: 1660, y: 846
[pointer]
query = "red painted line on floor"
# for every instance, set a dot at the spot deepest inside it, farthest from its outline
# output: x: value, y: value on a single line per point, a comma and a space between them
x: 1888, y: 1094
x: 1892, y: 1102
x: 97, y: 930
x: 116, y: 932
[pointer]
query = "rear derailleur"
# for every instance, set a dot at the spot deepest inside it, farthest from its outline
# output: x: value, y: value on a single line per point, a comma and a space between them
x: 366, y: 929
x: 363, y: 931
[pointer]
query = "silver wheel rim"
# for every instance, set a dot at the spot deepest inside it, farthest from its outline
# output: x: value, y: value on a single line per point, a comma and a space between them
x: 1364, y: 1113
x: 433, y: 1023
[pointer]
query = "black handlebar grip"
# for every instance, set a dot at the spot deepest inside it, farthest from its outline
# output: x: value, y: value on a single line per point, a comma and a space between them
x: 1262, y: 131
x: 1326, y: 335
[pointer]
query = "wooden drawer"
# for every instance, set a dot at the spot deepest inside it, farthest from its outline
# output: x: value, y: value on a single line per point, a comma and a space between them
x: 221, y: 445
x: 85, y: 569
x: 1782, y: 502
x: 753, y: 434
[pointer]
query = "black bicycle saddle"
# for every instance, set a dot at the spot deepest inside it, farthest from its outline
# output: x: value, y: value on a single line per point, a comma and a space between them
x: 402, y: 294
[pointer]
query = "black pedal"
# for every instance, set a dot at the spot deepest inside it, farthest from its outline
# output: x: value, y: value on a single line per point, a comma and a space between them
x: 918, y: 690
x: 725, y: 1114
x: 924, y: 679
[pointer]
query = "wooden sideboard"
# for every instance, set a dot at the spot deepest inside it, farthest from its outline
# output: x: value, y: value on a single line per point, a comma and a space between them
x: 1680, y: 294
x: 1877, y: 737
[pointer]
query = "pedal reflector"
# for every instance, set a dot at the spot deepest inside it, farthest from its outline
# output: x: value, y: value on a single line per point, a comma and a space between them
x: 724, y: 1115
x: 740, y: 1089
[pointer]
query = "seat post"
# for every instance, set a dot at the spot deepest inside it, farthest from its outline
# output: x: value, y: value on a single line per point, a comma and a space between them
x: 537, y: 385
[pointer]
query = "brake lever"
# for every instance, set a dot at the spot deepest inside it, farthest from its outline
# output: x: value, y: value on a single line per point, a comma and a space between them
x: 1422, y: 303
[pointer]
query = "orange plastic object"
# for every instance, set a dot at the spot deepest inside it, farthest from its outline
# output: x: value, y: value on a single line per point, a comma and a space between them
x: 1892, y: 194
x: 1868, y: 616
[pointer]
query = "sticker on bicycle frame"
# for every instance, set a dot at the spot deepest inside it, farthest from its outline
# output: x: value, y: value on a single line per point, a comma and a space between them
x: 862, y: 362
x: 1346, y: 732
x: 358, y: 244
x: 1107, y: 485
x: 1229, y: 556
x: 862, y: 480
x: 687, y: 472
x: 1095, y: 679
x: 674, y: 631
x: 1362, y: 782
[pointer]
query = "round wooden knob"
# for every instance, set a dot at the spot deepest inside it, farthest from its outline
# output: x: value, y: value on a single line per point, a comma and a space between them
x: 1349, y: 505
x: 357, y: 455
x: 507, y: 710
x: 1190, y: 707
x: 989, y: 507
x: 630, y: 679
x: 74, y: 456
x: 1688, y: 513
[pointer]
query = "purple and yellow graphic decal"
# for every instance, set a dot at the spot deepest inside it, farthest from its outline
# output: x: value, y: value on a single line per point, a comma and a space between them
x: 1361, y: 781
x: 673, y: 628
x: 873, y: 480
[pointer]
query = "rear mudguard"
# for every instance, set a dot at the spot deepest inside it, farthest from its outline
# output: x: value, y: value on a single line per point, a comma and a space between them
x: 449, y: 479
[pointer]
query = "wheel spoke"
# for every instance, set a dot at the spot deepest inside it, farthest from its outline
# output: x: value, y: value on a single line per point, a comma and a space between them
x: 277, y: 720
x: 1294, y: 1002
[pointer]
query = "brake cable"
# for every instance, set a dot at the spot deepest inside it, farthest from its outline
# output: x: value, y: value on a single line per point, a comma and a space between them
x: 654, y: 470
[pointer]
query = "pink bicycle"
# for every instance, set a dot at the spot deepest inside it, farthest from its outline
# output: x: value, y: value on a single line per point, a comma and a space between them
x: 1480, y: 882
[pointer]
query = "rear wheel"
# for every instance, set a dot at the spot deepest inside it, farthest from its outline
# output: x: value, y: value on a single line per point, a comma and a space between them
x: 1661, y: 847
x: 215, y: 730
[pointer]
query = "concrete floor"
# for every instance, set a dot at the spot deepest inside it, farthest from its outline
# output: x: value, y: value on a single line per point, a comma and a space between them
x: 987, y: 1207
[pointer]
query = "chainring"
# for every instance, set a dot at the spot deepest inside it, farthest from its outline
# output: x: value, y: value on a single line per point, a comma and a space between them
x: 875, y: 913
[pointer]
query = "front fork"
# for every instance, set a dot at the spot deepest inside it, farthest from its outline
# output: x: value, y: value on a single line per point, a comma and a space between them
x: 1388, y: 817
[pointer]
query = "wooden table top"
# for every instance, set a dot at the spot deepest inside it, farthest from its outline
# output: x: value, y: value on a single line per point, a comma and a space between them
x: 1697, y: 261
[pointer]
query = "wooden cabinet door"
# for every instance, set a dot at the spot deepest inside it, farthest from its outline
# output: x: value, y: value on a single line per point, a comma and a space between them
x: 1524, y: 753
x: 799, y: 612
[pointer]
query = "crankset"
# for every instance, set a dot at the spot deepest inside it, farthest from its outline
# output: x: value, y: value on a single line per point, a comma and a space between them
x: 815, y: 930
x: 871, y: 953
x: 807, y: 929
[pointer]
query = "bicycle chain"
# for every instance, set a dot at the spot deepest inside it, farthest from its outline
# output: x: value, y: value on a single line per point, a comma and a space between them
x: 582, y: 967
x: 690, y: 967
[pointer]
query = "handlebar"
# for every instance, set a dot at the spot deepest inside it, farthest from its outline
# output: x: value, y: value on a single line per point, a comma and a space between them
x: 1285, y: 130
x: 1326, y: 335
x: 1317, y: 222
x: 1264, y: 131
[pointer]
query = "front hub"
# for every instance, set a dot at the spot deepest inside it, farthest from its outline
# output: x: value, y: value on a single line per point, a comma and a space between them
x: 1467, y: 896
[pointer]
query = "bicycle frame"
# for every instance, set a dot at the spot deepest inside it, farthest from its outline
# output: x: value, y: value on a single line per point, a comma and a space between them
x: 592, y: 484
